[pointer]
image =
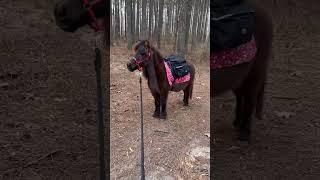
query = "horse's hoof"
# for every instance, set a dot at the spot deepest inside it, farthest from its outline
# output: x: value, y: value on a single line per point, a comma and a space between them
x: 163, y: 116
x: 156, y: 115
x: 244, y: 137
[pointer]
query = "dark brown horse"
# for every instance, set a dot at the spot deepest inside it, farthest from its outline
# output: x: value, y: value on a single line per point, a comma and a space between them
x: 247, y: 80
x: 153, y: 68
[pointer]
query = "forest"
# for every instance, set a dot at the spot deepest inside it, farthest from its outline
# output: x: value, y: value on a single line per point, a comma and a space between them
x: 180, y: 25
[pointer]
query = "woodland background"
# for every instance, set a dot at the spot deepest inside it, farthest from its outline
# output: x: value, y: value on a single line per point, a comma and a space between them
x: 178, y: 25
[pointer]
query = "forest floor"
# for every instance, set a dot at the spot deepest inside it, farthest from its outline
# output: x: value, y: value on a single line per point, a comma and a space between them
x: 48, y: 127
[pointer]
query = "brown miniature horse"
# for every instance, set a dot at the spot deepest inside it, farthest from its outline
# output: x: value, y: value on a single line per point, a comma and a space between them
x: 247, y: 80
x: 153, y: 68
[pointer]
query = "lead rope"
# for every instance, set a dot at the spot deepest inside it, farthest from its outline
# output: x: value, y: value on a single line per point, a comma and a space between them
x: 141, y: 133
x: 100, y: 110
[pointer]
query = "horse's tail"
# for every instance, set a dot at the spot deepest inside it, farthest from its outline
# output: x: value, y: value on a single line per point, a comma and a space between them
x: 264, y: 38
x: 190, y: 93
x: 192, y: 74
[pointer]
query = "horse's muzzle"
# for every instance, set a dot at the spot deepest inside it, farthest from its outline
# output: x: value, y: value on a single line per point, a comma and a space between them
x: 129, y: 67
x: 132, y: 66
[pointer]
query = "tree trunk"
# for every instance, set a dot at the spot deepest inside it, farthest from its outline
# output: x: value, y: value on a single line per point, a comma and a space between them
x: 169, y: 20
x: 194, y: 24
x: 176, y: 24
x: 133, y: 22
x: 144, y: 20
x: 125, y: 19
x: 156, y: 17
x: 117, y: 20
x: 138, y: 20
x: 150, y: 18
x: 129, y: 23
x: 160, y: 22
x: 184, y: 25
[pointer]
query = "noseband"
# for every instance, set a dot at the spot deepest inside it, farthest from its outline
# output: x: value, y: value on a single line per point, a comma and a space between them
x: 88, y: 6
x: 139, y: 61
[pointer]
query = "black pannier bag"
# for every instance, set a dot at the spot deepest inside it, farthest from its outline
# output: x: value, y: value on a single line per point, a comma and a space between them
x: 178, y: 65
x: 231, y: 25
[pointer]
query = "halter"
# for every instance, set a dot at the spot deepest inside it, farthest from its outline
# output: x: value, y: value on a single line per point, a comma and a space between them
x: 138, y: 61
x: 88, y: 6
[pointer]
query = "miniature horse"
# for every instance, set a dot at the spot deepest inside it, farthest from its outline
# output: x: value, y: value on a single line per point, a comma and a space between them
x: 247, y: 80
x: 152, y: 65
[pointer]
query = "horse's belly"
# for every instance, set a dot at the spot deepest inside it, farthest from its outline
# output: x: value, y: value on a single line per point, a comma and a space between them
x: 230, y: 78
x: 179, y: 86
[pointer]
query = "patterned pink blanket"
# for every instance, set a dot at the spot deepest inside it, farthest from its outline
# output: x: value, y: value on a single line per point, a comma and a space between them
x: 241, y: 54
x: 170, y: 77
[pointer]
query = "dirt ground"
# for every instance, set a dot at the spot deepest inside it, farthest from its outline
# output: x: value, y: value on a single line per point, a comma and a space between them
x: 48, y: 127
x: 174, y: 148
x: 286, y: 144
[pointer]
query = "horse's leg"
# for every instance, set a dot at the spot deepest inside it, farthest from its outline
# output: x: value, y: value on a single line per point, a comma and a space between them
x: 239, y: 108
x: 250, y: 95
x: 163, y: 104
x: 186, y: 95
x: 156, y: 97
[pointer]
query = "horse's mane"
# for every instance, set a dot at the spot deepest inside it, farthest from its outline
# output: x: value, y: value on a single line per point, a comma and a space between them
x: 157, y: 52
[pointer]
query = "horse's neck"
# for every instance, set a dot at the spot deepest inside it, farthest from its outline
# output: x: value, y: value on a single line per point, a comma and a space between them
x: 159, y: 68
x: 159, y: 65
x: 158, y: 58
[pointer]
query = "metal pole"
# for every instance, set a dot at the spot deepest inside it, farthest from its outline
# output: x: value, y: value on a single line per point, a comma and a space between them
x: 141, y: 133
x: 100, y: 114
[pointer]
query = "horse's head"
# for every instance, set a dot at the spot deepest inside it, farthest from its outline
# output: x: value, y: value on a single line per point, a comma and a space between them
x: 70, y: 15
x: 142, y: 57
